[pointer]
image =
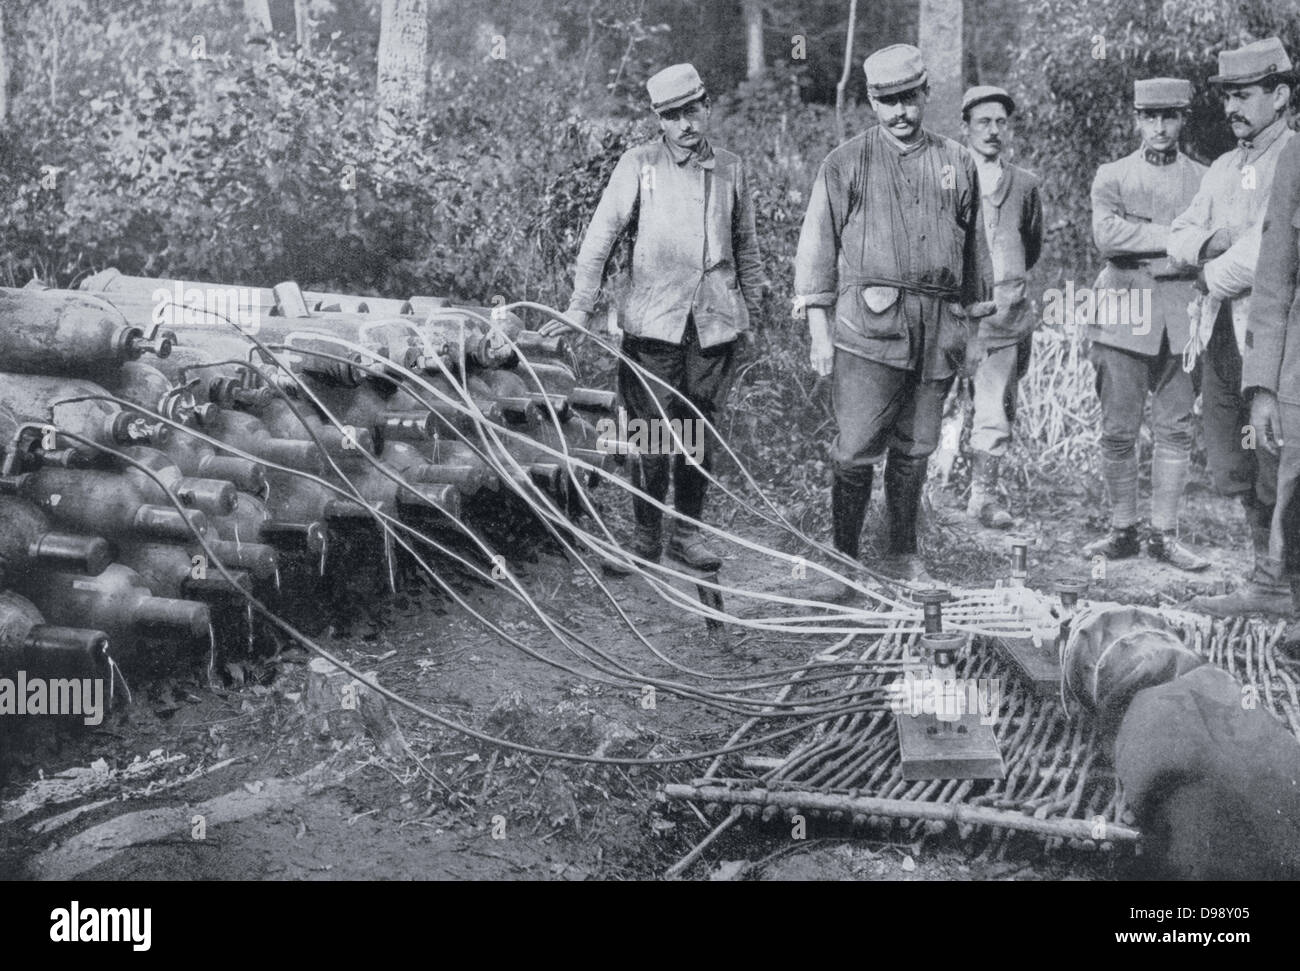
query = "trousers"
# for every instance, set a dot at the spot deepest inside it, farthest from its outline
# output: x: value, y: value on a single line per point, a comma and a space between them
x: 703, y: 376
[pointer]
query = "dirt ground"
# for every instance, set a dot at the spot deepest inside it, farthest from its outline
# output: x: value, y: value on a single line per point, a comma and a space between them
x: 451, y: 808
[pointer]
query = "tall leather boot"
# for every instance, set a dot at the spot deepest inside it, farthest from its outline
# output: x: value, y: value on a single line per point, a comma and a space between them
x: 850, y: 495
x: 1169, y: 473
x: 685, y: 541
x: 984, y: 506
x: 904, y: 482
x: 650, y: 474
x: 1266, y: 590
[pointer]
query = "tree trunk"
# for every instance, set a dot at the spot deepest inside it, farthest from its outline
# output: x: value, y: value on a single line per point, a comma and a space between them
x: 940, y: 40
x: 755, y: 64
x: 847, y: 73
x: 4, y: 72
x: 302, y: 25
x: 258, y: 15
x: 403, y: 56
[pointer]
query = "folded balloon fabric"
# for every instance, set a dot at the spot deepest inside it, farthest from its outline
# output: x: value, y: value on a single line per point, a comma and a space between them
x: 1213, y: 779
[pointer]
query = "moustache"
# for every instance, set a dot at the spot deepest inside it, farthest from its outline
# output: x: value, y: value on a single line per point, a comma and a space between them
x: 1237, y: 120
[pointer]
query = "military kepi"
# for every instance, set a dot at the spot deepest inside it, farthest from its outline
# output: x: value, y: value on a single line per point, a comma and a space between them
x: 1151, y: 93
x: 894, y: 69
x: 1252, y: 63
x: 675, y: 86
x: 986, y: 92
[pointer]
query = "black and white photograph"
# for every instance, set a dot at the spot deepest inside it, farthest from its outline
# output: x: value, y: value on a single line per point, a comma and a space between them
x: 651, y: 441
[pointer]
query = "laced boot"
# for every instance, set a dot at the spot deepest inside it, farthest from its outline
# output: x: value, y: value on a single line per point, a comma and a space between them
x: 686, y: 545
x: 1165, y: 547
x: 1120, y: 543
x: 1169, y: 471
x: 1119, y: 470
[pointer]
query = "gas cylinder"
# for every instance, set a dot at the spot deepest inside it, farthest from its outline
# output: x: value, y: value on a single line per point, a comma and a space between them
x: 43, y: 399
x: 29, y: 545
x: 120, y: 603
x: 30, y: 645
x: 251, y: 525
x: 106, y: 503
x: 67, y: 332
x: 509, y: 384
x: 174, y: 571
x: 215, y: 497
x: 413, y: 466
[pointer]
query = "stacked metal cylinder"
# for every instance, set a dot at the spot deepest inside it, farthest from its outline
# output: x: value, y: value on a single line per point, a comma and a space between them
x: 147, y: 430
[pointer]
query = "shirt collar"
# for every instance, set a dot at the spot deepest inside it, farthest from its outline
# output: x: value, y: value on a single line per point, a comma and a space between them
x: 990, y: 173
x: 1264, y: 139
x: 703, y: 155
x: 1154, y: 157
x: 900, y: 146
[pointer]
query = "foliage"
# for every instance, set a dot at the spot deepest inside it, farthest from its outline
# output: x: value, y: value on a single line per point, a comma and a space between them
x: 1074, y: 77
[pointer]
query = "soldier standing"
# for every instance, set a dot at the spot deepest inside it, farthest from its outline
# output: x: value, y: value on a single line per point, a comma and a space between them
x: 998, y: 355
x: 1220, y: 233
x: 1137, y: 342
x: 697, y: 281
x: 1271, y: 366
x: 890, y: 241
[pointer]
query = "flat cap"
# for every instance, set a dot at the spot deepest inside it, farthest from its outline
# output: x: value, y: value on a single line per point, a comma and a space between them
x: 675, y: 86
x: 892, y: 69
x: 1253, y: 62
x: 986, y: 92
x: 1162, y: 93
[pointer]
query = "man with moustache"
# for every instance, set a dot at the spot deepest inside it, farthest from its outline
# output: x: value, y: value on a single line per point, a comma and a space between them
x: 1134, y: 200
x: 1271, y: 367
x: 1220, y: 233
x: 891, y: 244
x: 697, y: 282
x: 998, y: 354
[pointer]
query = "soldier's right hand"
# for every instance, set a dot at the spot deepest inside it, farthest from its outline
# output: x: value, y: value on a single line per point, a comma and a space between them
x: 1265, y: 420
x: 553, y: 327
x: 823, y: 354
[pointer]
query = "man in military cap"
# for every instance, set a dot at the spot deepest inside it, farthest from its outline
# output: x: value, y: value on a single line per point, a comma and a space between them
x: 1220, y: 234
x: 1137, y: 342
x: 697, y: 281
x: 890, y: 244
x: 998, y: 354
x: 1271, y: 365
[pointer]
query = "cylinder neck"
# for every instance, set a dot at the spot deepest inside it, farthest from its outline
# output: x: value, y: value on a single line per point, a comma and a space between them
x: 168, y: 616
x: 90, y: 555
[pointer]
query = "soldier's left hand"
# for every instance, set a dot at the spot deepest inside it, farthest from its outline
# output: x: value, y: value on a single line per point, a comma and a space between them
x: 1264, y: 419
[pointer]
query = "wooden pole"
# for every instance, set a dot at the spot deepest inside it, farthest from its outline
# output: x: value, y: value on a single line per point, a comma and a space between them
x: 958, y: 813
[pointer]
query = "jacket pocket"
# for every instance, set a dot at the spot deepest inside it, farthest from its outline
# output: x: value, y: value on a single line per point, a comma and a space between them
x: 885, y: 323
